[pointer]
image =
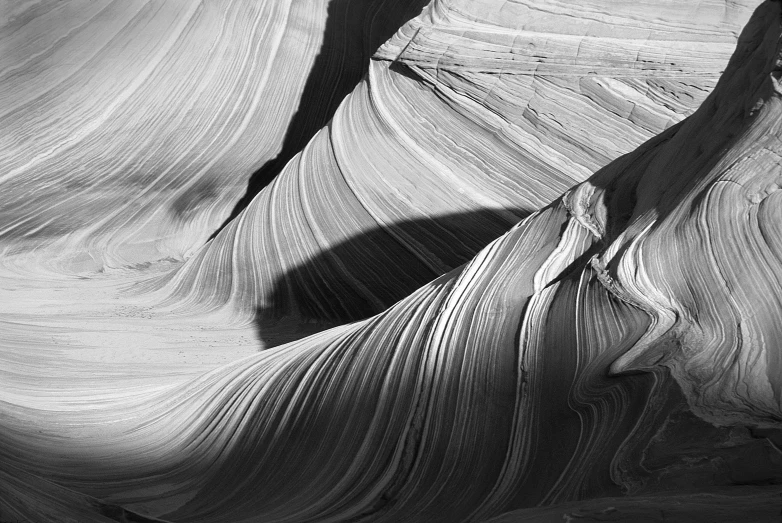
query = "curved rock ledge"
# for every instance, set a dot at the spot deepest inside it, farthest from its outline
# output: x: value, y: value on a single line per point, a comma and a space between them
x: 462, y: 127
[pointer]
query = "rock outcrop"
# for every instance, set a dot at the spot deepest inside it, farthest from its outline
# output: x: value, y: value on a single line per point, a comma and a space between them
x: 466, y: 122
x: 553, y: 291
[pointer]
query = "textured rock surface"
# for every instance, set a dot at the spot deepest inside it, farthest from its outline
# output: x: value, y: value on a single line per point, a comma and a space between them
x: 611, y: 356
x: 132, y: 127
x: 734, y: 504
x: 463, y: 126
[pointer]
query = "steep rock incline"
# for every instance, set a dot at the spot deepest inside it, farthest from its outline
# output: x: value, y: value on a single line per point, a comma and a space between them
x: 463, y: 126
x: 617, y: 341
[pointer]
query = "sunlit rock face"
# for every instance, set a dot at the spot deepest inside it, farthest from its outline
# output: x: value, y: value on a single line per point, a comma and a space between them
x: 133, y: 127
x: 554, y: 285
x: 472, y: 116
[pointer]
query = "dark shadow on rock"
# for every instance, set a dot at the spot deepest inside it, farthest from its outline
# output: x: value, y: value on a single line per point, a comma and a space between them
x: 367, y: 274
x: 404, y: 70
x: 354, y: 30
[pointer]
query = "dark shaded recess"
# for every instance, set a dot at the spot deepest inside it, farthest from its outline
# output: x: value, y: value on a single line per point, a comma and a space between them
x: 28, y: 497
x: 672, y: 450
x: 370, y: 272
x: 123, y: 515
x: 354, y: 31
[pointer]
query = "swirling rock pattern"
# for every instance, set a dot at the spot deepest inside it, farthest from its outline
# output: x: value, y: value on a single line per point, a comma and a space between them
x: 616, y: 344
x: 537, y: 103
x: 132, y: 127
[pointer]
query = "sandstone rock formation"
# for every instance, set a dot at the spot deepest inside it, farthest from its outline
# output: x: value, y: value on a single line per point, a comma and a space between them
x: 462, y: 127
x: 553, y: 285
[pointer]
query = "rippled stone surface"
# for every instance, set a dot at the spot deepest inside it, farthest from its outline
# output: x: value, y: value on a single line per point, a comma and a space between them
x: 466, y: 123
x: 512, y: 336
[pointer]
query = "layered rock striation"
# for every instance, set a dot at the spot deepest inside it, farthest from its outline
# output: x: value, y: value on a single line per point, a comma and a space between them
x: 505, y: 345
x: 466, y: 122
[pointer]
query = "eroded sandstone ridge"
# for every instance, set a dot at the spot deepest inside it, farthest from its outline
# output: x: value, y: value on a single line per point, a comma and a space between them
x: 466, y: 122
x: 553, y: 285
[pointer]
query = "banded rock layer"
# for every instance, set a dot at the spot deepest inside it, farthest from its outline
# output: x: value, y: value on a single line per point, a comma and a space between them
x: 463, y: 125
x: 613, y: 346
x: 129, y: 130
